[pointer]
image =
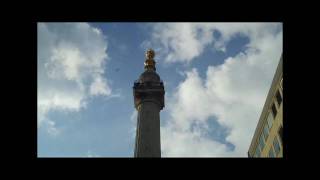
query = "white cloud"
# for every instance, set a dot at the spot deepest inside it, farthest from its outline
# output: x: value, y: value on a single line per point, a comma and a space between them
x: 91, y: 154
x: 182, y: 42
x: 190, y: 144
x: 71, y: 60
x: 177, y: 40
x: 99, y: 86
x: 233, y: 92
x: 133, y: 120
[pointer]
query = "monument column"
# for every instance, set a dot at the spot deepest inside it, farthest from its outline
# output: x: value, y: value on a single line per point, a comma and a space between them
x: 148, y: 92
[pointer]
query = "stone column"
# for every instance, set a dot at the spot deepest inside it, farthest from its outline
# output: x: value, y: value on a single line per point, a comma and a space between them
x: 148, y: 93
x: 148, y: 130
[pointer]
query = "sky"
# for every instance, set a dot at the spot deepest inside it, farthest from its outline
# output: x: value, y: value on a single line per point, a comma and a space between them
x: 216, y: 78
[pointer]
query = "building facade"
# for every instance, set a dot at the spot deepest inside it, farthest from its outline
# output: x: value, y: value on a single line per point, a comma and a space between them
x: 148, y: 93
x: 268, y: 137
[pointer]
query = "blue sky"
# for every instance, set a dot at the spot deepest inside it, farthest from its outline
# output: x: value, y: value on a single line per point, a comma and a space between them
x: 216, y: 79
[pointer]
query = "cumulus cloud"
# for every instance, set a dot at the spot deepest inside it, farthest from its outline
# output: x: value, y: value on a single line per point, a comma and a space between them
x: 182, y: 42
x: 232, y: 93
x: 71, y: 60
x: 190, y: 144
x: 133, y: 120
x: 99, y: 86
x: 90, y: 154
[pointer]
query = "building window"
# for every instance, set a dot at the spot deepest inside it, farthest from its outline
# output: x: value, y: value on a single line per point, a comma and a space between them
x: 270, y: 120
x: 271, y: 153
x: 266, y: 131
x: 262, y: 133
x: 276, y: 145
x: 261, y: 143
x: 257, y: 153
x: 274, y: 110
x: 279, y: 98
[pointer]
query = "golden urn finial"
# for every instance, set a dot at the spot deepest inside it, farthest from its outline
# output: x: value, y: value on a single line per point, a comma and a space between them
x: 150, y: 54
x: 150, y: 63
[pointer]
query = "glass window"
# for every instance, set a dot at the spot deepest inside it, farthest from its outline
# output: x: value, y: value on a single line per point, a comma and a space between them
x: 274, y: 110
x: 270, y: 120
x: 279, y: 98
x: 266, y: 132
x: 271, y: 153
x: 276, y: 145
x: 257, y: 153
x: 261, y: 143
x: 262, y: 134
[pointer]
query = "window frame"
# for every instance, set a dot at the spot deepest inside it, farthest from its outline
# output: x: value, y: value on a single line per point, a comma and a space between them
x: 274, y: 108
x: 271, y: 150
x: 278, y: 95
x: 261, y: 143
x: 270, y: 116
x: 275, y: 147
x: 257, y: 150
x: 266, y: 131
